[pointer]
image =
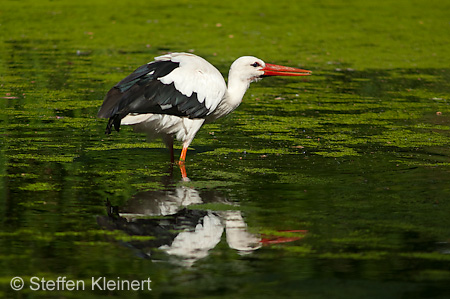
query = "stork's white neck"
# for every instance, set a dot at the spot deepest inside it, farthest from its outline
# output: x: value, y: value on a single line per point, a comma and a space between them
x: 233, y: 97
x: 237, y: 86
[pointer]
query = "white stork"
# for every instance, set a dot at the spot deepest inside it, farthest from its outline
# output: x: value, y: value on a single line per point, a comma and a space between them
x: 175, y: 94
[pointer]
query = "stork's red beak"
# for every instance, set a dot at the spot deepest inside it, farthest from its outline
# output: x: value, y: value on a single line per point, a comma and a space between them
x: 279, y: 70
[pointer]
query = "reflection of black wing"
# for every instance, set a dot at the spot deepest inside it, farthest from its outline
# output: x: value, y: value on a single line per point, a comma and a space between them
x: 141, y: 92
x: 163, y: 229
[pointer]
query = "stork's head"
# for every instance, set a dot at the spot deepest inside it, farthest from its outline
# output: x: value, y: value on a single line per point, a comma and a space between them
x: 250, y: 69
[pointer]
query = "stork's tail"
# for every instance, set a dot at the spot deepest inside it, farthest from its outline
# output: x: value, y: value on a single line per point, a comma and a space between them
x: 113, y: 121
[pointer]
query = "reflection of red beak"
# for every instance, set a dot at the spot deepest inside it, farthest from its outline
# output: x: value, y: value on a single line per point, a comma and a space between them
x: 279, y: 70
x: 269, y: 240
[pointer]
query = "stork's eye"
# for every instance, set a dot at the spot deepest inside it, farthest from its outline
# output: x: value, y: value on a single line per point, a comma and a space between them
x: 256, y: 64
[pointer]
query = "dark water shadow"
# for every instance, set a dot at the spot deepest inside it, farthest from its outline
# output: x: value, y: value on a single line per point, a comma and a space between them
x: 386, y: 82
x: 370, y: 83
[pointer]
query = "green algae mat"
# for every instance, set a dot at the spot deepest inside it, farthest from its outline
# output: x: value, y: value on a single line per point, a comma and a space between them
x: 332, y: 186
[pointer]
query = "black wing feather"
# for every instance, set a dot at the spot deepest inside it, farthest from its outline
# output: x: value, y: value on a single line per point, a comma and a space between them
x: 142, y: 92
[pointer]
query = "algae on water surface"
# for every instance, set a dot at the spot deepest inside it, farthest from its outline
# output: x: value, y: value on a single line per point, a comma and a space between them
x: 355, y: 156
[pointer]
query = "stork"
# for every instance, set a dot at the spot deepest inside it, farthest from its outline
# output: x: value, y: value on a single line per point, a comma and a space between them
x: 174, y: 95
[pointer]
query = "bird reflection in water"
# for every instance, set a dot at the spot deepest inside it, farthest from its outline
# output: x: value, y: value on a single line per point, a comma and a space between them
x: 185, y: 234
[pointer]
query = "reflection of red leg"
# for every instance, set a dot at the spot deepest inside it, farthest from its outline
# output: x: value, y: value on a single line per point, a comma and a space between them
x: 183, y: 171
x: 268, y: 239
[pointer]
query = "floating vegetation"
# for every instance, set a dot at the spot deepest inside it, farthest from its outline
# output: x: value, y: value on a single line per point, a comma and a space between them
x: 38, y: 187
x: 356, y: 154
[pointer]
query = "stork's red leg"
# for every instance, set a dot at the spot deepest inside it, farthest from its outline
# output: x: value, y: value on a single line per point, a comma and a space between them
x: 183, y: 154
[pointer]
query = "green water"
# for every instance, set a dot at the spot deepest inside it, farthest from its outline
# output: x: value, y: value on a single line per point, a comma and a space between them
x: 355, y: 158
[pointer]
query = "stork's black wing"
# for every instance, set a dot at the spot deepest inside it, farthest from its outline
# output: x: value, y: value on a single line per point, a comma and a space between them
x: 142, y: 92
